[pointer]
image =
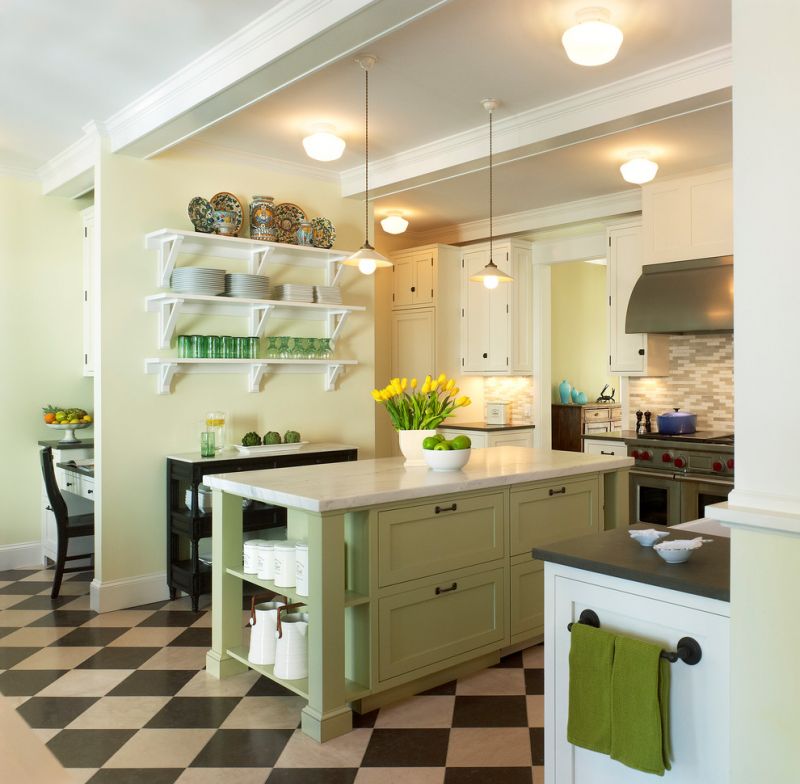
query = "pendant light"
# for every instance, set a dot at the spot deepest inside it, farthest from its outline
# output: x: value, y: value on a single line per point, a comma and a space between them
x: 323, y: 144
x: 491, y: 274
x: 367, y: 259
x: 394, y: 223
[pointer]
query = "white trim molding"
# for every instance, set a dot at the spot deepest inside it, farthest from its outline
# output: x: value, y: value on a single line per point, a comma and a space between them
x: 758, y: 512
x: 110, y: 595
x: 16, y: 556
x: 71, y: 172
x: 18, y: 172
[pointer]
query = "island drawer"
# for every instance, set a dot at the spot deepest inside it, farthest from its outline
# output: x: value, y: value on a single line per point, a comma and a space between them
x: 427, y: 539
x: 562, y: 509
x: 442, y: 620
x: 527, y: 599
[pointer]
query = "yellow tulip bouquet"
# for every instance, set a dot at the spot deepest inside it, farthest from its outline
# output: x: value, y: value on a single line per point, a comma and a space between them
x: 420, y: 409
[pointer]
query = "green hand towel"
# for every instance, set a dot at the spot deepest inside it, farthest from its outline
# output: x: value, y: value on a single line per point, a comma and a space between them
x: 591, y: 656
x: 640, y: 706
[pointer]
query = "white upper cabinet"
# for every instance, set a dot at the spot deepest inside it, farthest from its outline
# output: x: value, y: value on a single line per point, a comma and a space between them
x: 688, y: 217
x: 414, y: 278
x: 636, y: 354
x: 87, y: 218
x: 414, y: 343
x: 496, y: 325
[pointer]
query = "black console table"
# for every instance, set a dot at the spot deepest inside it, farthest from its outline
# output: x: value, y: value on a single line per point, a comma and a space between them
x: 187, y: 526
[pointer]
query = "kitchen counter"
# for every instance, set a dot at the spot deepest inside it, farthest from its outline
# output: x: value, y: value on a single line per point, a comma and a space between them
x: 484, y: 427
x: 231, y: 453
x: 614, y: 553
x: 364, y: 483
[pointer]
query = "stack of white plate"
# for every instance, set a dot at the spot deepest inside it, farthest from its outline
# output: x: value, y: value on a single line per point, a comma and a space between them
x: 197, y: 280
x: 242, y: 284
x: 328, y: 295
x: 294, y: 292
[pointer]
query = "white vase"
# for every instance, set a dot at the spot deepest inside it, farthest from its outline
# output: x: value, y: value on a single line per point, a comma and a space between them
x: 411, y: 445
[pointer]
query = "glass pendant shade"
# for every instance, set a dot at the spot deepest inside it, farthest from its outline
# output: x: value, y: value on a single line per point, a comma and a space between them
x: 490, y: 276
x: 394, y: 223
x: 324, y: 144
x: 593, y: 41
x: 367, y: 259
x: 638, y: 170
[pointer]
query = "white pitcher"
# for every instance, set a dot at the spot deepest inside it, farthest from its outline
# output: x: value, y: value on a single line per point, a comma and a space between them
x: 263, y: 629
x: 291, y: 650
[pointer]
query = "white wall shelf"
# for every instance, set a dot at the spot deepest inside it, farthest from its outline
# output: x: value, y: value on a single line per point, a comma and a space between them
x: 166, y: 368
x: 257, y: 311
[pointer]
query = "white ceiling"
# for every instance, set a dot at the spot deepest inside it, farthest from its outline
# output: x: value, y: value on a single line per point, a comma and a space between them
x: 66, y: 63
x: 432, y: 74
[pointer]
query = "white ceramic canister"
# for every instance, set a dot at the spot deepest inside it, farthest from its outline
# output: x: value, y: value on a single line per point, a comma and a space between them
x: 265, y: 556
x: 263, y: 632
x: 291, y: 646
x: 301, y: 568
x: 284, y: 561
x: 250, y: 561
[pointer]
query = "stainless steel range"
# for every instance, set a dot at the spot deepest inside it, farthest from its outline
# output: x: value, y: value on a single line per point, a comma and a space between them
x: 676, y: 477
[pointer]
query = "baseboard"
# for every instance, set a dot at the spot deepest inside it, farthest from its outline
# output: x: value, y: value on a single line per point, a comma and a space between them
x: 109, y: 595
x: 15, y: 556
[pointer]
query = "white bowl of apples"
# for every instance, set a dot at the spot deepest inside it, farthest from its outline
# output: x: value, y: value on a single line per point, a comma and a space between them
x: 443, y: 455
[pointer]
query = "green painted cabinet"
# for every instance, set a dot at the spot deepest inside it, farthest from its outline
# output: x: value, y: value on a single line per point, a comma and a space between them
x: 432, y: 538
x: 440, y: 621
x: 527, y: 600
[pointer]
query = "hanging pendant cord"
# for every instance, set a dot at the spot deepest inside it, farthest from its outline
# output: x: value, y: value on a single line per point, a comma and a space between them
x: 491, y: 191
x: 366, y: 156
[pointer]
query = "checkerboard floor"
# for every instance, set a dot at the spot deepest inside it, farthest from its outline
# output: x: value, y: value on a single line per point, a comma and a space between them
x: 123, y: 697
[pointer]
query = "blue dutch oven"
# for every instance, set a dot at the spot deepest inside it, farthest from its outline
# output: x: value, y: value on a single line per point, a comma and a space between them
x: 677, y: 423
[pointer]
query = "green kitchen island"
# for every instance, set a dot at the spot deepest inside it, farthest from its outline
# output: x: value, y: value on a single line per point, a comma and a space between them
x: 415, y: 577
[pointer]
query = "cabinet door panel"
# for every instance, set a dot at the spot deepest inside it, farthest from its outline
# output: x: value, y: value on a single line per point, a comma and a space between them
x: 413, y: 343
x: 402, y: 282
x: 624, y: 269
x: 616, y: 448
x: 514, y: 438
x: 422, y: 627
x: 562, y: 510
x: 423, y: 280
x: 522, y: 311
x: 711, y: 204
x: 527, y: 599
x: 475, y: 337
x: 668, y: 216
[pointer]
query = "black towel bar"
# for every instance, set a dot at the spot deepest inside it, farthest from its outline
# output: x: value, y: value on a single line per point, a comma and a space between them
x: 689, y: 650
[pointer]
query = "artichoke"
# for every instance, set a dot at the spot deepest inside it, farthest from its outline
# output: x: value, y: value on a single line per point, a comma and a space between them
x: 251, y: 439
x: 291, y: 437
x: 272, y: 437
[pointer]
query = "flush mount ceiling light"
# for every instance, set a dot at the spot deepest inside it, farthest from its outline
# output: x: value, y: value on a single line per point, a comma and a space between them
x: 324, y: 144
x: 394, y: 223
x: 490, y: 275
x: 367, y: 259
x: 593, y: 41
x: 638, y: 169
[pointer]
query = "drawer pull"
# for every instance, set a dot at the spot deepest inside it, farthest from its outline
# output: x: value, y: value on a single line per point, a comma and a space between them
x: 606, y: 453
x: 90, y: 492
x: 452, y: 587
x: 560, y: 491
x: 440, y: 509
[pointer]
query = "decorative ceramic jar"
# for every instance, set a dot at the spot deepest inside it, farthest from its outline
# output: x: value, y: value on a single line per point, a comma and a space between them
x: 262, y: 215
x: 263, y: 632
x: 411, y: 446
x: 225, y: 223
x: 304, y: 233
x: 564, y: 389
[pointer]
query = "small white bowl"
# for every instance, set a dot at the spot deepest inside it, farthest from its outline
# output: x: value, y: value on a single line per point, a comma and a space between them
x: 678, y: 550
x: 647, y: 537
x: 446, y: 459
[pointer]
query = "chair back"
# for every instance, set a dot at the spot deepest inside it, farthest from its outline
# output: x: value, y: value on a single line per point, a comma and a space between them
x: 57, y: 502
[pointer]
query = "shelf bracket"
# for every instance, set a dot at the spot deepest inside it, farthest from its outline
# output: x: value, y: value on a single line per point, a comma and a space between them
x: 258, y: 258
x: 337, y: 326
x: 331, y: 374
x: 166, y: 371
x: 168, y: 252
x: 259, y: 315
x: 168, y: 312
x: 254, y: 375
x: 334, y: 272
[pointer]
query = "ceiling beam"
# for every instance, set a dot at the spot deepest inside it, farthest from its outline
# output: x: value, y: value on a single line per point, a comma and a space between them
x: 692, y: 84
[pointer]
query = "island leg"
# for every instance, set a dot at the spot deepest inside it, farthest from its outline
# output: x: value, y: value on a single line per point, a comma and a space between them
x: 327, y: 714
x: 226, y: 590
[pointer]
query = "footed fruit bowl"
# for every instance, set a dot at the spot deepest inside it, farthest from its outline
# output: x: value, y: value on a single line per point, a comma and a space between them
x: 69, y: 435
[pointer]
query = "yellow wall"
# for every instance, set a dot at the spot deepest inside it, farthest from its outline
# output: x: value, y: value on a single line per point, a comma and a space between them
x: 40, y: 339
x: 580, y: 329
x: 139, y: 428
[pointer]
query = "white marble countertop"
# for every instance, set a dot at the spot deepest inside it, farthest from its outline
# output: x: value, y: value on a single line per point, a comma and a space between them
x: 357, y: 484
x: 231, y: 453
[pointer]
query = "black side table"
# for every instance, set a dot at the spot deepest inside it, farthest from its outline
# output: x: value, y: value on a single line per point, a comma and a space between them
x: 187, y: 526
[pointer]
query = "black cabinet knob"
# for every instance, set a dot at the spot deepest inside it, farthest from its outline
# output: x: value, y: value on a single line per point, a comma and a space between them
x: 641, y: 352
x: 485, y: 355
x: 413, y: 289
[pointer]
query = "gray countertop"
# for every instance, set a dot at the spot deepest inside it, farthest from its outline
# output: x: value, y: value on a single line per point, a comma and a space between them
x: 86, y: 443
x: 485, y: 428
x: 614, y: 553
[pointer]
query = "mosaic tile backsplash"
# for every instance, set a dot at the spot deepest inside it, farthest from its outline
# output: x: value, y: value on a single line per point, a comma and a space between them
x: 700, y: 381
x: 517, y: 390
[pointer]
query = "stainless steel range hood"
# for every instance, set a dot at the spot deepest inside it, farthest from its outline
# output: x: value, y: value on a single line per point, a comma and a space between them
x: 683, y: 296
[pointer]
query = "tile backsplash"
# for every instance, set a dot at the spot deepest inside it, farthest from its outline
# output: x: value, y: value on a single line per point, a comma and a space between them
x: 700, y: 381
x: 517, y: 390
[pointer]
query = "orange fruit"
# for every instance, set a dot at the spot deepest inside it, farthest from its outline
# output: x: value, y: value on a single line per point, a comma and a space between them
x: 49, y: 418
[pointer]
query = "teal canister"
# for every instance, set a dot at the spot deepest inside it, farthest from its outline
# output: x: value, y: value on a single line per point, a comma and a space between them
x: 564, y: 390
x: 262, y: 218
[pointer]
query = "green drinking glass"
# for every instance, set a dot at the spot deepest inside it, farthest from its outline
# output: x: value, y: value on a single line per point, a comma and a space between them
x: 184, y: 346
x: 214, y: 344
x: 284, y: 351
x: 228, y: 347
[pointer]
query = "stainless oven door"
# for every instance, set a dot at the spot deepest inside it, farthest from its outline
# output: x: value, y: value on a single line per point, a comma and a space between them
x: 697, y: 492
x: 655, y: 498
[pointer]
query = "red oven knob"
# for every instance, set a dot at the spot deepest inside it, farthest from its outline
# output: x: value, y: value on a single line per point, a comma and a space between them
x: 679, y: 462
x: 730, y: 464
x: 646, y: 455
x: 635, y: 453
x: 717, y: 466
x: 666, y: 457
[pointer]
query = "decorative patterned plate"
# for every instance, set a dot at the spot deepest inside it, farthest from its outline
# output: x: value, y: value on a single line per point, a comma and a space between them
x: 228, y: 202
x: 287, y: 221
x: 323, y: 233
x: 201, y: 214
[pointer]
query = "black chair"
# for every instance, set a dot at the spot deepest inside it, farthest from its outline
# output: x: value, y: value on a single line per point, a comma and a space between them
x: 74, y: 517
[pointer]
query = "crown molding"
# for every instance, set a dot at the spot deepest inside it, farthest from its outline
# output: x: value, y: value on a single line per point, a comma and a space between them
x: 222, y: 153
x: 705, y: 74
x: 582, y: 210
x: 18, y: 172
x: 71, y: 172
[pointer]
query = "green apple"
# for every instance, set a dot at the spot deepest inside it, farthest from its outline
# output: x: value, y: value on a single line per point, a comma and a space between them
x: 442, y: 446
x: 461, y: 442
x: 430, y: 442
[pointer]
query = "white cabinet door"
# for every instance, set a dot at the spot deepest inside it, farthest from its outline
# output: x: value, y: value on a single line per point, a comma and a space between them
x: 88, y: 289
x: 414, y: 279
x: 699, y: 694
x: 635, y: 354
x: 413, y: 343
x: 512, y: 438
x: 522, y: 310
x: 402, y: 282
x: 616, y: 448
x: 424, y: 280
